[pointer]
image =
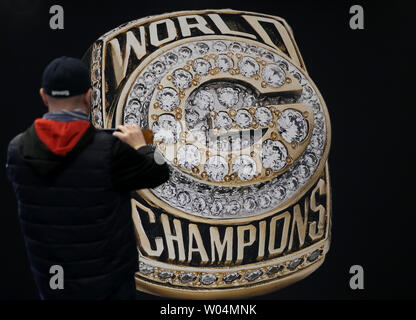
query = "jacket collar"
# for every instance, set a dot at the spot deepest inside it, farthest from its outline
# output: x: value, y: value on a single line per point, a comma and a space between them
x: 66, y: 115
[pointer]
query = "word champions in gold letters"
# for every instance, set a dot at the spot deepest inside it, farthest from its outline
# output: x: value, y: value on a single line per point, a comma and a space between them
x: 171, y: 239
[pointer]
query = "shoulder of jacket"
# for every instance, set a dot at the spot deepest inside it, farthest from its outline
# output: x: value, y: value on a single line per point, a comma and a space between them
x: 104, y: 138
x: 15, y: 141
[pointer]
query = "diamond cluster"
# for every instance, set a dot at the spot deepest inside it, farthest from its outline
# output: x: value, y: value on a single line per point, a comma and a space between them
x: 217, y: 114
x: 212, y: 106
x: 226, y: 278
x: 96, y: 114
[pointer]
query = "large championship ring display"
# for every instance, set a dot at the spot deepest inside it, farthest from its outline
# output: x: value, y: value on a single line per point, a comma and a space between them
x: 246, y: 134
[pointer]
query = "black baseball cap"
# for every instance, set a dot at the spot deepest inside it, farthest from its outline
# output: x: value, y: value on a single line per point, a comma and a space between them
x: 66, y: 77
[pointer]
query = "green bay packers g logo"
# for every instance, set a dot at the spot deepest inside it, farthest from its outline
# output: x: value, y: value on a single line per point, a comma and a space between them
x: 246, y: 134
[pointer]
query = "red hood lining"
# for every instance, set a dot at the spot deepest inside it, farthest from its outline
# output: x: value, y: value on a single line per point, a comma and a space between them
x: 60, y: 137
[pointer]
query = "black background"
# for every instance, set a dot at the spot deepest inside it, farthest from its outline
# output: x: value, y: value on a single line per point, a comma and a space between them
x: 365, y: 77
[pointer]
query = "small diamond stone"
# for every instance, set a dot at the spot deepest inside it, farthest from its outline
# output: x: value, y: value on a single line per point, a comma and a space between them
x: 273, y: 270
x: 199, y: 204
x: 265, y: 201
x: 224, y: 62
x: 192, y: 118
x: 307, y: 92
x: 279, y: 192
x: 168, y: 191
x: 131, y: 118
x: 168, y: 99
x: 219, y: 46
x: 292, y: 126
x: 188, y: 156
x: 139, y: 90
x: 98, y: 117
x: 249, y: 100
x: 231, y: 277
x: 319, y: 116
x: 201, y: 66
x: 97, y: 54
x: 95, y: 96
x: 149, y: 78
x: 267, y: 55
x: 183, y: 198
x: 249, y: 204
x: 274, y: 75
x: 145, y: 268
x: 302, y: 172
x: 310, y: 159
x: 263, y: 116
x: 317, y: 142
x: 284, y: 65
x: 166, y: 274
x: 236, y: 47
x: 298, y: 76
x: 187, y: 277
x: 171, y: 58
x: 315, y: 106
x: 253, y: 275
x: 314, y: 255
x: 245, y: 167
x: 182, y: 79
x: 167, y: 129
x: 248, y: 67
x: 208, y: 279
x: 159, y: 67
x: 202, y: 48
x: 292, y: 184
x: 203, y: 100
x: 273, y: 155
x: 216, y: 167
x: 133, y: 106
x: 253, y: 50
x: 233, y: 207
x: 243, y: 118
x: 223, y: 120
x: 228, y: 96
x: 216, y: 208
x: 319, y: 124
x: 185, y: 52
x: 96, y: 74
x: 178, y: 177
x: 294, y: 263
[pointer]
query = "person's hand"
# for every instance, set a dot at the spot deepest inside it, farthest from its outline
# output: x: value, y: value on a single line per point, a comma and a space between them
x: 130, y: 134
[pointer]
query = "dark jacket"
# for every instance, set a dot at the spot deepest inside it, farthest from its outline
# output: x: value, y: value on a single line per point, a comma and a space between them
x: 72, y: 183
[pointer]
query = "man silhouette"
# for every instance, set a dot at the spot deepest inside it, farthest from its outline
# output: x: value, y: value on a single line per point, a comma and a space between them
x: 72, y: 184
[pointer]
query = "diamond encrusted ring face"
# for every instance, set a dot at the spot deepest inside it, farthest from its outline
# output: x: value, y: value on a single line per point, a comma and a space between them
x: 246, y: 135
x: 231, y: 119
